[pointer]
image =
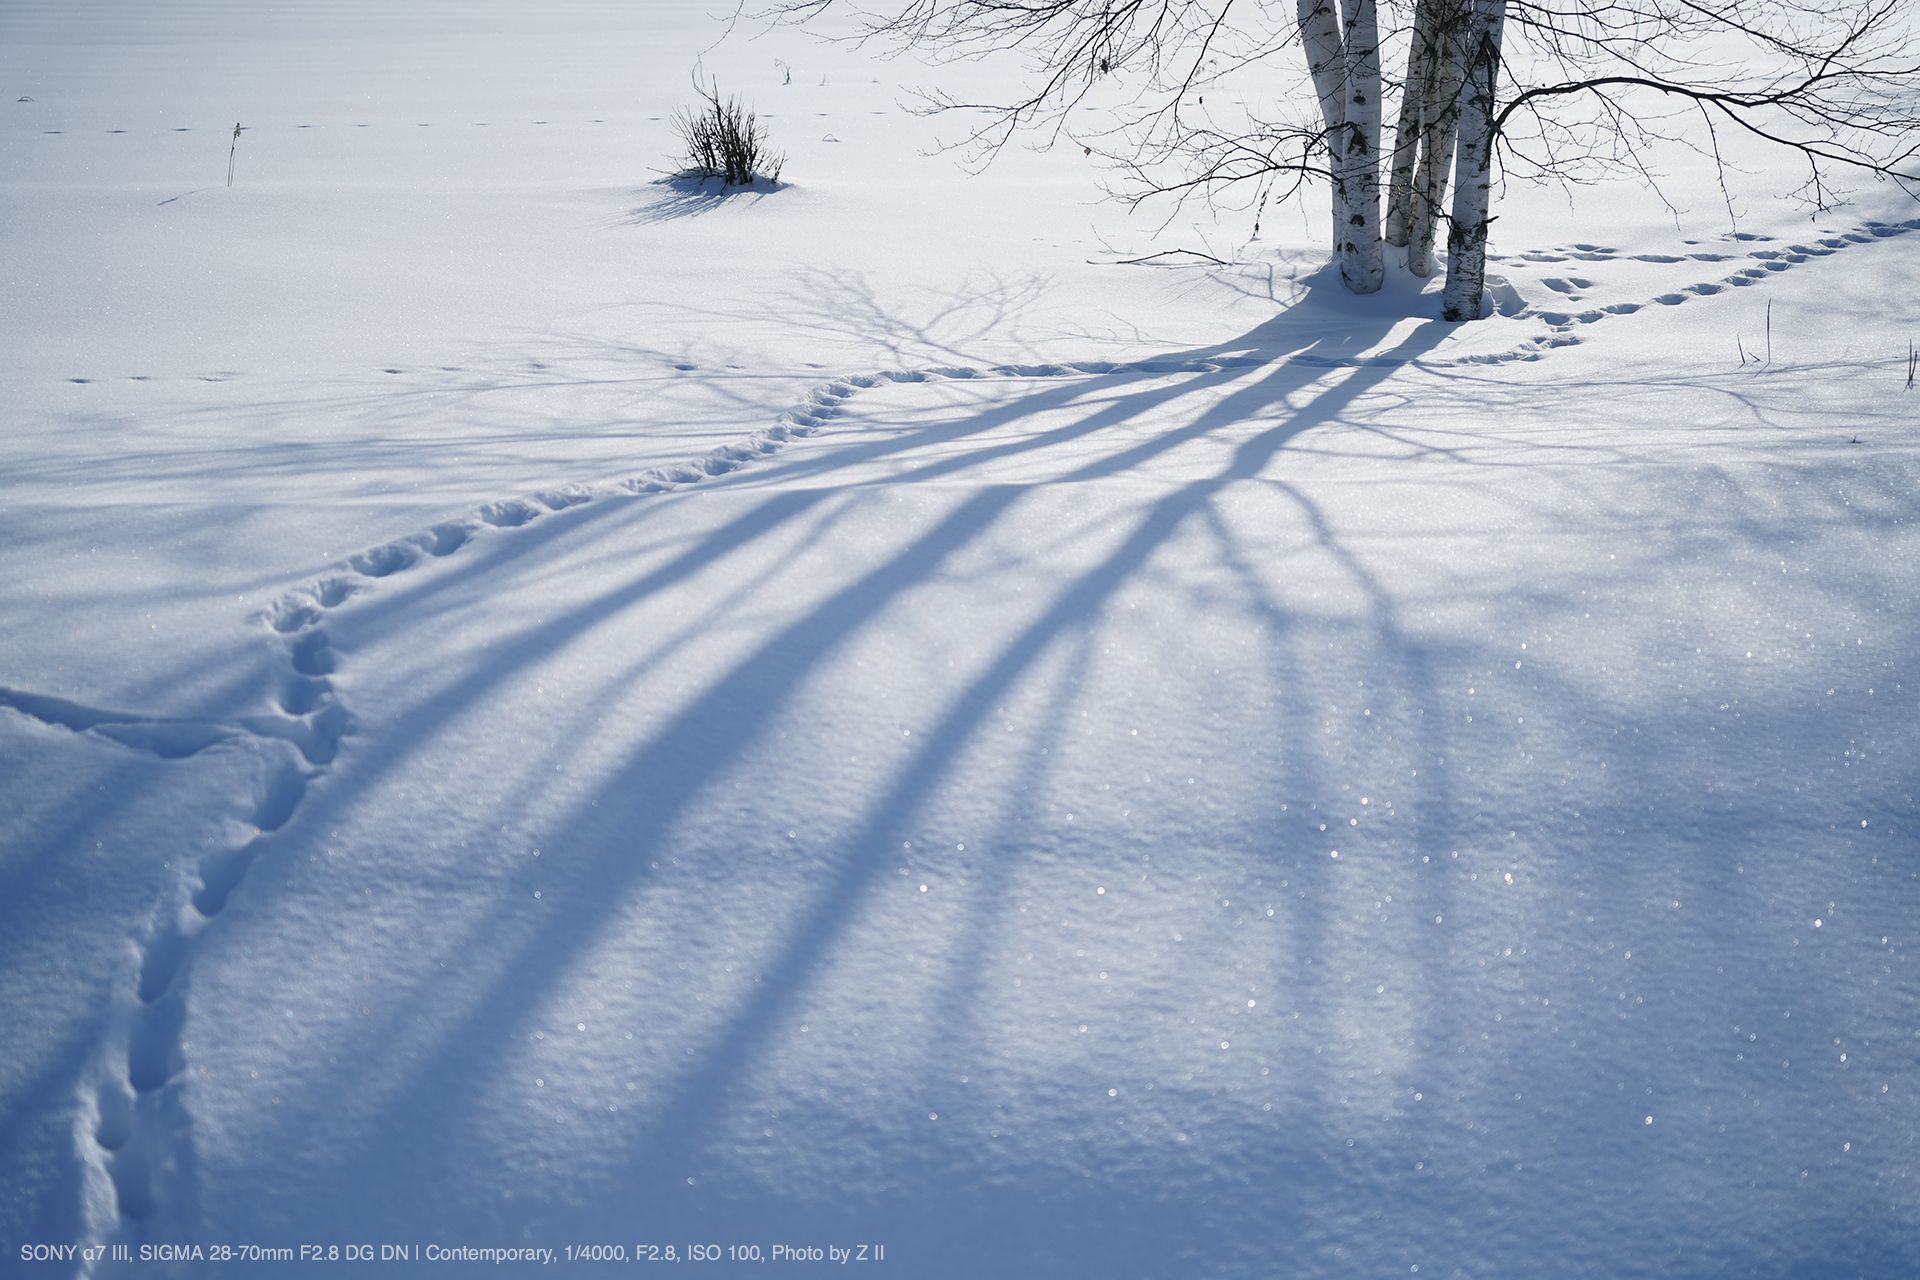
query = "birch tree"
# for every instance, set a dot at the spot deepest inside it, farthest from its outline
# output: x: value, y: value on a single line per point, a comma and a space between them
x: 1426, y: 129
x: 1473, y: 163
x: 1495, y: 90
x: 1343, y: 58
x: 1356, y: 150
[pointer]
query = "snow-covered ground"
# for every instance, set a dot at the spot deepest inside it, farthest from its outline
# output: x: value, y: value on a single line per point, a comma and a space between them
x: 541, y: 706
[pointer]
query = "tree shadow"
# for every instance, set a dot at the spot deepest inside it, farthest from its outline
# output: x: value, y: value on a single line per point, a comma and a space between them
x: 675, y: 1155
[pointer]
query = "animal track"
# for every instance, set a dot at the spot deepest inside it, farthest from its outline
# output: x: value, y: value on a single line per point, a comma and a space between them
x: 479, y: 124
x: 377, y: 563
x: 132, y: 1120
x: 1761, y: 264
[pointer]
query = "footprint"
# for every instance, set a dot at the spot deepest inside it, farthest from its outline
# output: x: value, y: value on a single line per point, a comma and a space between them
x: 153, y: 1054
x: 164, y: 957
x: 382, y: 561
x: 132, y: 1184
x: 220, y: 874
x: 315, y: 732
x: 445, y: 539
x: 278, y: 798
x: 115, y: 1123
x: 561, y: 499
x: 311, y: 655
x: 510, y: 514
x: 293, y: 619
x: 335, y: 591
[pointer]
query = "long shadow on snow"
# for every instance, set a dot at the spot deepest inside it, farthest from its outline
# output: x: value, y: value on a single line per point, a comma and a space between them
x: 717, y: 727
x: 692, y: 750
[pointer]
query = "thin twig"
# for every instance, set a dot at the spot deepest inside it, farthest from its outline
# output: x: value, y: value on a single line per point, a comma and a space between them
x: 1134, y: 262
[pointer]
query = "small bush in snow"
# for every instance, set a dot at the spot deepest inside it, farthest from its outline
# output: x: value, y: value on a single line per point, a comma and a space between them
x: 723, y: 141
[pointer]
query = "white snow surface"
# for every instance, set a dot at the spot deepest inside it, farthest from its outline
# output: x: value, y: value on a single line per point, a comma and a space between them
x: 542, y: 705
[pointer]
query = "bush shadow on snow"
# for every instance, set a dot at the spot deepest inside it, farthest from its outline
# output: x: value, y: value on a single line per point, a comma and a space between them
x: 691, y: 194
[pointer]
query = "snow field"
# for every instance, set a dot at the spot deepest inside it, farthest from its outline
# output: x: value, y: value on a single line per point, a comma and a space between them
x: 897, y: 800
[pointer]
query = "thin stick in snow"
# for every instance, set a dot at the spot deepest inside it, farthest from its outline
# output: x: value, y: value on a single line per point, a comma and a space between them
x: 231, y: 150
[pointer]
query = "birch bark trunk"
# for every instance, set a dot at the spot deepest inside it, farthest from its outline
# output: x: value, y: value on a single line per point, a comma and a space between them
x: 1473, y: 166
x: 1440, y: 117
x: 1362, y: 262
x: 1407, y: 130
x: 1326, y: 61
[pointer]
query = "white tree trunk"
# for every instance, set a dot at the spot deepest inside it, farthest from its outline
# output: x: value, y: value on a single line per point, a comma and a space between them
x: 1407, y: 129
x: 1440, y: 126
x: 1326, y: 60
x: 1362, y: 263
x: 1473, y: 168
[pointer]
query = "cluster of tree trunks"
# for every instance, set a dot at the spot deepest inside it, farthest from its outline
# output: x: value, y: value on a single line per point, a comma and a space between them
x: 1447, y: 120
x: 1836, y: 80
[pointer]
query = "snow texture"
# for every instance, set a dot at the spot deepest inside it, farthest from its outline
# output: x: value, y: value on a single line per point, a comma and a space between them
x: 543, y: 704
